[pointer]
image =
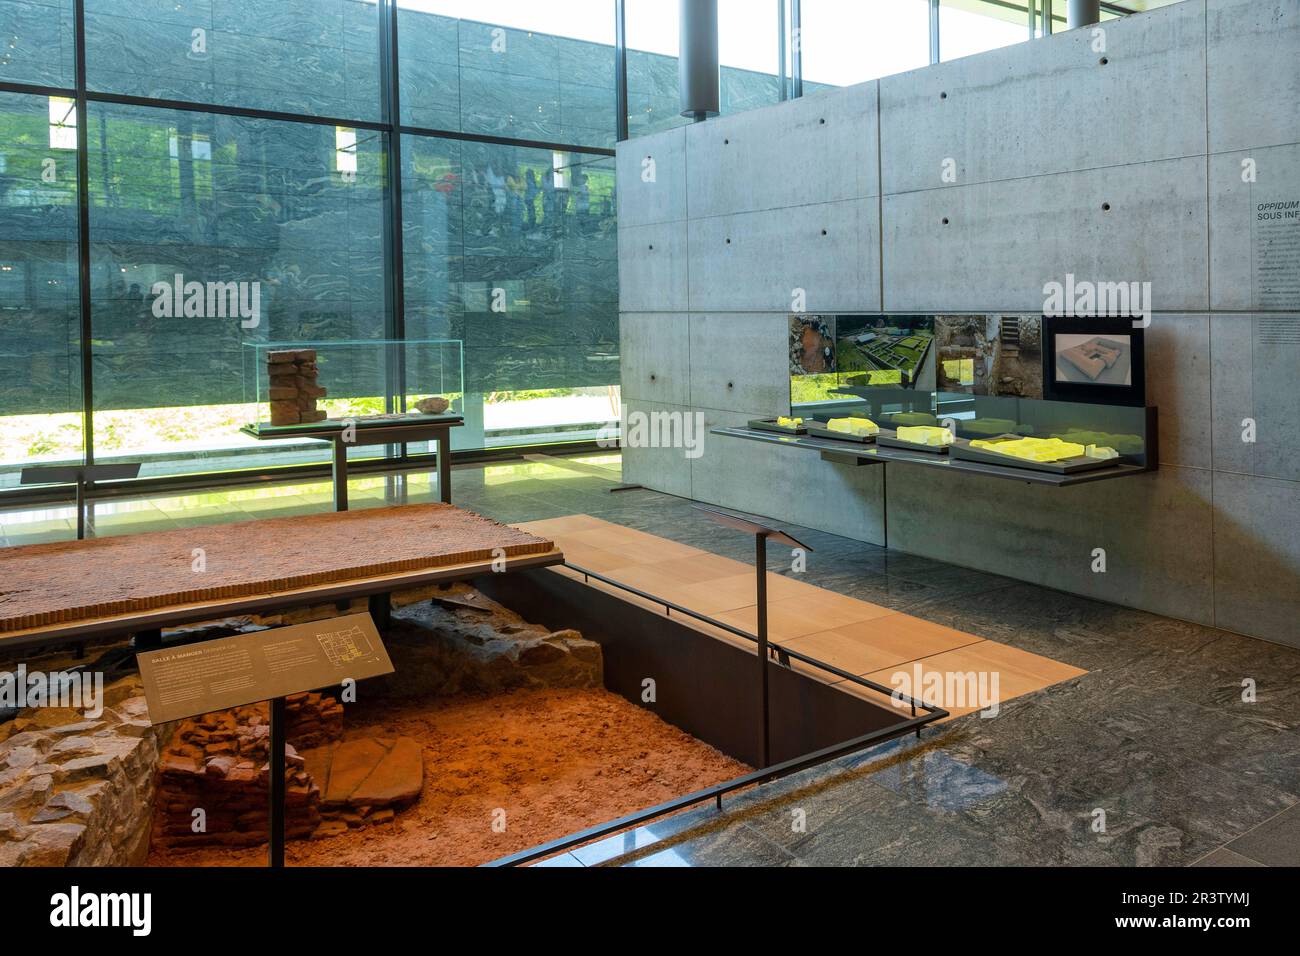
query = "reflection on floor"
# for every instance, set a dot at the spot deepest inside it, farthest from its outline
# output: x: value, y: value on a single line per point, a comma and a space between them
x: 1155, y: 756
x: 857, y: 636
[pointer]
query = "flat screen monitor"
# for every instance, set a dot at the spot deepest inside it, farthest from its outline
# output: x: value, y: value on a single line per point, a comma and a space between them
x: 1099, y: 360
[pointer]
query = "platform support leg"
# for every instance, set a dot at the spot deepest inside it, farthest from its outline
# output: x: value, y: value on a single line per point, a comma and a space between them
x: 760, y: 561
x: 81, y: 510
x: 147, y: 640
x: 340, y: 474
x: 381, y: 611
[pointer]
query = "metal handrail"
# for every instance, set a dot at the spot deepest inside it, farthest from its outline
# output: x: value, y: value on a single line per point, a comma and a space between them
x: 753, y: 778
x: 777, y: 648
x: 717, y: 791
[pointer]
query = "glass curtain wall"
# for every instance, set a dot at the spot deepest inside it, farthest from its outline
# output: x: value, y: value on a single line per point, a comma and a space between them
x: 456, y: 185
x: 749, y: 50
x: 40, y: 336
x: 510, y: 246
x: 253, y: 146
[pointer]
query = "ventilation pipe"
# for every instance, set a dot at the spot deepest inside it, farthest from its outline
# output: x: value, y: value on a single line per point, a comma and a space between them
x: 1083, y: 13
x: 697, y: 64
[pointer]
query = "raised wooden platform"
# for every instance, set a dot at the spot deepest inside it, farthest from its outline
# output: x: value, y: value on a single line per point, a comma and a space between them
x: 77, y: 589
x: 865, y: 639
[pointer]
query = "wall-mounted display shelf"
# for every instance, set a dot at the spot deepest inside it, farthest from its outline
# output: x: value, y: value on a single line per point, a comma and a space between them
x: 856, y: 453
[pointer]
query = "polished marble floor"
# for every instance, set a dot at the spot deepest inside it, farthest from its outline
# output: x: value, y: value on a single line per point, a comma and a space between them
x: 1158, y: 755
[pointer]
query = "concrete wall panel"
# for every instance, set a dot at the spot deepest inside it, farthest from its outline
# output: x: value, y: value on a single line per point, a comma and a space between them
x: 1257, y: 556
x: 655, y: 357
x: 787, y: 484
x: 1255, y: 360
x: 1051, y: 106
x: 753, y: 262
x: 657, y: 193
x: 1155, y: 530
x: 664, y: 469
x: 813, y: 150
x: 739, y: 363
x: 652, y: 268
x: 1253, y: 73
x: 1178, y: 383
x: 1003, y: 241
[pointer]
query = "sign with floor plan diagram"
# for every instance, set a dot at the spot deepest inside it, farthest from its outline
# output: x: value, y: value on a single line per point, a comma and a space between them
x: 199, y: 678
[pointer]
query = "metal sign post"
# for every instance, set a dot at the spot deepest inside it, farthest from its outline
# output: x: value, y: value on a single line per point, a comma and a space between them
x: 81, y: 477
x: 761, y: 533
x: 275, y: 843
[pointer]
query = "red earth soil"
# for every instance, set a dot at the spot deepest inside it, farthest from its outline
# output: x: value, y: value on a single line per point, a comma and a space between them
x: 556, y: 761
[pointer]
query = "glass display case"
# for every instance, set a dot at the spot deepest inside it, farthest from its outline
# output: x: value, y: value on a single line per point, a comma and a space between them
x: 299, y: 387
x: 988, y: 389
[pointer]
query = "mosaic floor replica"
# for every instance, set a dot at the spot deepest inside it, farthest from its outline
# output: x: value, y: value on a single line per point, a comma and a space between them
x: 1153, y: 756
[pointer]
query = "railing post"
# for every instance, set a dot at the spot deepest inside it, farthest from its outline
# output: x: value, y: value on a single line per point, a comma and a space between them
x: 760, y: 562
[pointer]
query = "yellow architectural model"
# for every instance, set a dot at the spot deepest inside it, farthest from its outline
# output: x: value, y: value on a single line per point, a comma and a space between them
x: 931, y: 435
x: 789, y: 422
x: 1124, y: 444
x: 1032, y: 449
x: 858, y: 427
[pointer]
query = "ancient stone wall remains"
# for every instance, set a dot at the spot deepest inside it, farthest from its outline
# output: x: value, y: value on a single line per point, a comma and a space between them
x: 78, y: 791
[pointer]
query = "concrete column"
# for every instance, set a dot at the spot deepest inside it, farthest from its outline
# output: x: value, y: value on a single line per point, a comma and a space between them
x: 697, y: 63
x: 1083, y: 13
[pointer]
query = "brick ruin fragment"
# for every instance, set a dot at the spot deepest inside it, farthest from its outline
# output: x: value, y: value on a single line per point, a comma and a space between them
x: 219, y: 763
x: 294, y: 389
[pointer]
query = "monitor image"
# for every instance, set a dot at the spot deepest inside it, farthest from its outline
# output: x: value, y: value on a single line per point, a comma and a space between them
x: 1100, y: 359
x: 1094, y: 359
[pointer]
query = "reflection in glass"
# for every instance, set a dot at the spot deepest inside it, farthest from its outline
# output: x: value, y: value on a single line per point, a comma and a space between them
x: 514, y: 251
x: 208, y: 232
x: 542, y: 72
x: 749, y: 52
x: 40, y: 368
x: 290, y: 56
x: 36, y: 42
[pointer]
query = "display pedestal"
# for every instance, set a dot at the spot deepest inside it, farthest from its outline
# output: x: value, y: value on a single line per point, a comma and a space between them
x: 388, y: 430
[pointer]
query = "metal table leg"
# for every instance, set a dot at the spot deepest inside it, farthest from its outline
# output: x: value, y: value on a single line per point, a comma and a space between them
x: 444, y: 466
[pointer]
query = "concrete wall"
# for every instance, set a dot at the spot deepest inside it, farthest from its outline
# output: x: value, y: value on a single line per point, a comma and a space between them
x: 1125, y: 163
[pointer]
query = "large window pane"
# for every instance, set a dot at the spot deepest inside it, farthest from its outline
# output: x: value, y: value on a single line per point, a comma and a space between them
x: 846, y: 43
x: 40, y: 370
x: 293, y: 210
x: 516, y: 68
x: 36, y: 42
x: 748, y: 50
x: 514, y: 251
x: 973, y: 26
x: 296, y: 56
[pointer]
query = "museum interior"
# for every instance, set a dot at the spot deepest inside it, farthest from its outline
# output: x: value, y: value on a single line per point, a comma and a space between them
x: 457, y: 433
